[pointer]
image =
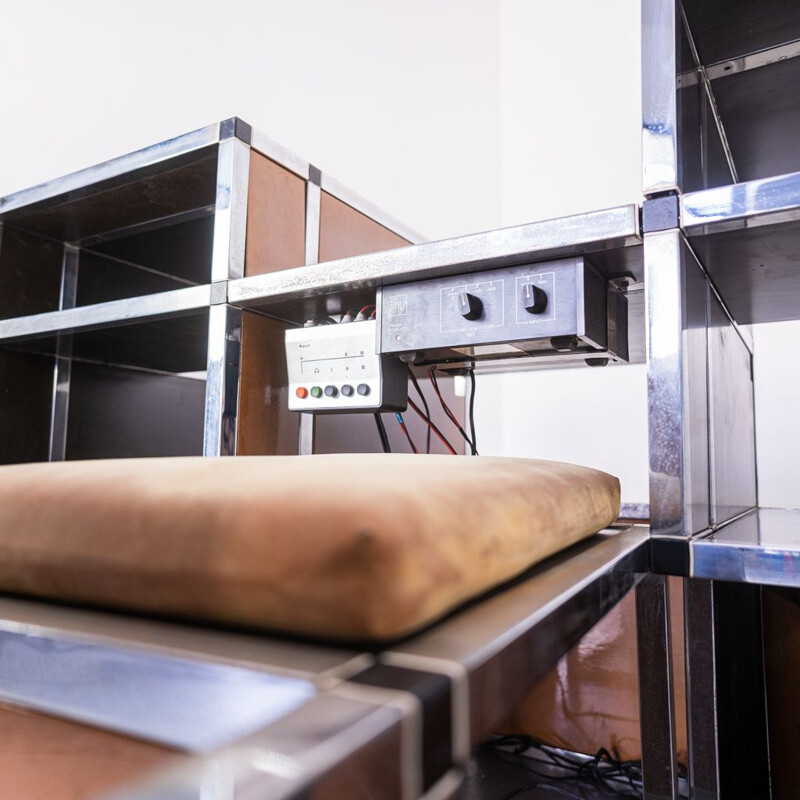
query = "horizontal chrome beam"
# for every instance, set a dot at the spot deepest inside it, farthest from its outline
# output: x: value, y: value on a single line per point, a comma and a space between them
x: 112, y: 169
x: 761, y: 547
x: 582, y: 233
x: 759, y: 202
x: 102, y: 315
x: 750, y: 61
x: 188, y: 704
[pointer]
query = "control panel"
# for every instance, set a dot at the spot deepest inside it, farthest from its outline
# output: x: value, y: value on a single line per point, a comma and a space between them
x: 337, y: 368
x: 535, y: 309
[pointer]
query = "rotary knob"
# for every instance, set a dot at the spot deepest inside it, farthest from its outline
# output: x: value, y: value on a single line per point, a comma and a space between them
x: 534, y: 298
x: 469, y: 306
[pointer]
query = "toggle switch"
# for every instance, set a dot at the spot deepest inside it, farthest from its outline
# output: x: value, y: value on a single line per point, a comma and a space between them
x: 534, y: 298
x: 469, y: 306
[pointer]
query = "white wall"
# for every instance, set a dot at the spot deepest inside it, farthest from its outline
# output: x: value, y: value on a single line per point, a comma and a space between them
x: 777, y: 387
x: 570, y: 116
x: 398, y: 100
x: 454, y: 116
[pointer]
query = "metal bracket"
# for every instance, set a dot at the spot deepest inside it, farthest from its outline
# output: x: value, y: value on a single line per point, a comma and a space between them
x: 661, y: 213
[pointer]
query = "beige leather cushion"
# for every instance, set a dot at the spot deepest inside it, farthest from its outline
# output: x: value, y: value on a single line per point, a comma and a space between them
x: 345, y: 546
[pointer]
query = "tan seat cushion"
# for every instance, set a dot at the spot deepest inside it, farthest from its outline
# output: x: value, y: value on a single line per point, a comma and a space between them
x: 341, y: 546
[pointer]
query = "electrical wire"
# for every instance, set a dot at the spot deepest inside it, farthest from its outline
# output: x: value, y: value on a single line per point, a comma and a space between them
x: 405, y: 431
x: 450, y: 415
x: 424, y: 405
x: 471, y: 375
x: 604, y: 771
x: 432, y: 426
x: 382, y: 433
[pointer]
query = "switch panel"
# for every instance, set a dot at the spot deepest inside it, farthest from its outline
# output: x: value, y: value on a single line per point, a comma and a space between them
x: 536, y: 309
x: 336, y: 368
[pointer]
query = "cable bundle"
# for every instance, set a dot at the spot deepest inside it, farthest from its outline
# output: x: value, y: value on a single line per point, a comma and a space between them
x: 603, y: 772
x: 425, y: 416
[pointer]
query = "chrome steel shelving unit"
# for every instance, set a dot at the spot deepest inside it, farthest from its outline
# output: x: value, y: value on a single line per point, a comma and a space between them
x: 116, y: 334
x: 721, y: 224
x: 714, y: 245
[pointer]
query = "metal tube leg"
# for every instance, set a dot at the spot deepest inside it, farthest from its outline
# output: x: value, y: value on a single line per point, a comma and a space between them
x: 742, y: 737
x: 306, y: 435
x: 701, y: 690
x: 657, y: 719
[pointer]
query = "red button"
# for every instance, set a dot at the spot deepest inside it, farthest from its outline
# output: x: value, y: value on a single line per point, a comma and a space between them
x: 302, y: 392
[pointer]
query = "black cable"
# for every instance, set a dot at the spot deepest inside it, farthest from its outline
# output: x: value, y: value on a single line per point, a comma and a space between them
x: 424, y: 405
x: 450, y: 415
x: 601, y: 771
x: 471, y: 374
x: 382, y: 433
x: 431, y: 424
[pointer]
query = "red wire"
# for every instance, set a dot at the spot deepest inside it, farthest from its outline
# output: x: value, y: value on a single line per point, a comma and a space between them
x: 371, y: 305
x: 432, y: 427
x: 408, y: 435
x: 450, y: 414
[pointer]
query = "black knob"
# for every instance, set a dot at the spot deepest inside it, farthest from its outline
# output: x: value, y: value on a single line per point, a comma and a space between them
x: 347, y: 390
x: 363, y: 389
x: 534, y: 299
x: 331, y: 391
x: 469, y: 306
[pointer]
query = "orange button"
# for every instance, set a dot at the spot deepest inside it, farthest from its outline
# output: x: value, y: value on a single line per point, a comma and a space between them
x: 302, y: 392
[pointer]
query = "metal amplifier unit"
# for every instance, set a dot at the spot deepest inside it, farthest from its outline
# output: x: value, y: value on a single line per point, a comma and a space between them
x: 556, y: 308
x: 336, y: 368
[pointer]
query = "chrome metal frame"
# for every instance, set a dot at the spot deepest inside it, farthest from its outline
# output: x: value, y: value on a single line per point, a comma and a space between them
x: 656, y: 712
x: 115, y: 168
x: 744, y: 205
x: 62, y: 368
x: 105, y: 315
x: 583, y: 233
x: 230, y: 216
x: 687, y: 319
x: 660, y: 121
x: 307, y: 430
x: 677, y: 394
x: 222, y: 380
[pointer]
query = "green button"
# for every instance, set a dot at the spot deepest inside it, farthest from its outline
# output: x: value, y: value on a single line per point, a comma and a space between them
x: 316, y: 391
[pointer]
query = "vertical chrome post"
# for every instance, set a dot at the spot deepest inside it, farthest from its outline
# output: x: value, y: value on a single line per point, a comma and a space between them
x: 660, y: 30
x: 62, y: 369
x: 657, y: 719
x: 313, y: 198
x: 230, y: 214
x: 677, y: 358
x: 222, y: 380
x: 225, y: 322
x: 741, y: 707
x: 701, y: 687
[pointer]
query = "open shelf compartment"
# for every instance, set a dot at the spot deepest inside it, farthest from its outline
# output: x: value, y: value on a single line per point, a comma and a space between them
x: 117, y: 392
x: 145, y: 231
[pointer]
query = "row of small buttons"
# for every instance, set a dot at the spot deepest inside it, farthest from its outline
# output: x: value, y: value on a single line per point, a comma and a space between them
x: 331, y: 391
